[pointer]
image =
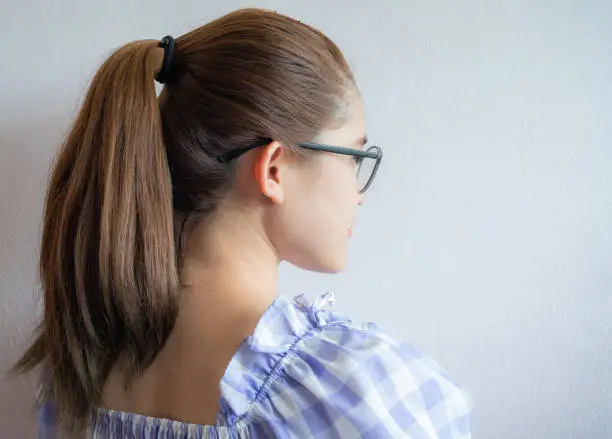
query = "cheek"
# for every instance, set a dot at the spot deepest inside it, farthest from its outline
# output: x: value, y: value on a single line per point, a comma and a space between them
x: 330, y: 188
x: 341, y: 186
x: 333, y: 200
x: 326, y: 200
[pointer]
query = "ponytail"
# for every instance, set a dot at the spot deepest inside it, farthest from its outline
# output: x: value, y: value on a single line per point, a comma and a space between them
x: 108, y: 264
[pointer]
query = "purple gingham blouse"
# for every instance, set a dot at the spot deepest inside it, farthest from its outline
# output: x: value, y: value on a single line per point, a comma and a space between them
x: 308, y: 372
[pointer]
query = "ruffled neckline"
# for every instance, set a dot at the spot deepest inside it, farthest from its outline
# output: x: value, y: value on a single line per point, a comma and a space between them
x: 282, y: 325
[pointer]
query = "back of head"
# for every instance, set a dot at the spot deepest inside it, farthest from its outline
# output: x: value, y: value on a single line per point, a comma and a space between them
x: 135, y: 172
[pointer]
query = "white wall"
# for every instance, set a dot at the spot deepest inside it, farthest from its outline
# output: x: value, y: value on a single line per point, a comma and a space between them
x: 487, y: 239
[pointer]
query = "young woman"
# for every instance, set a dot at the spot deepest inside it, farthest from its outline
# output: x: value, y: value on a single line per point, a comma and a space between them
x: 164, y: 225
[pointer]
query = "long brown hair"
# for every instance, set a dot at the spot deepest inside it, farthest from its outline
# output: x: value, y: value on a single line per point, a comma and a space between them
x: 135, y: 172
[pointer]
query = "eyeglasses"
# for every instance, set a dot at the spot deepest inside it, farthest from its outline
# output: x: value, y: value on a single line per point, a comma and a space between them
x: 366, y: 161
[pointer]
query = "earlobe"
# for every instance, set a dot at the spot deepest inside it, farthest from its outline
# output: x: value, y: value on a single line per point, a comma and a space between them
x: 267, y: 172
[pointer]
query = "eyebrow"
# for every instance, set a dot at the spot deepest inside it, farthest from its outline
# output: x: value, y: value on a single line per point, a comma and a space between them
x: 362, y: 141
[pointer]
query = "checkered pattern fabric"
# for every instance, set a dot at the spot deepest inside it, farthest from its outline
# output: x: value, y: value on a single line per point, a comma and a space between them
x: 308, y: 372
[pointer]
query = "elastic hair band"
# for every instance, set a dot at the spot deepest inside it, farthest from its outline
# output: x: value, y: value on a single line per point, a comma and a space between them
x: 168, y: 44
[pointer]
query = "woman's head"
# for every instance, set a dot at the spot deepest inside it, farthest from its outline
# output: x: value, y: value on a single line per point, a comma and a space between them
x: 137, y: 174
x: 255, y: 75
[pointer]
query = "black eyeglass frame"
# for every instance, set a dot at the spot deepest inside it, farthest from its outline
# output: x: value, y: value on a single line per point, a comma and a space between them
x: 373, y: 152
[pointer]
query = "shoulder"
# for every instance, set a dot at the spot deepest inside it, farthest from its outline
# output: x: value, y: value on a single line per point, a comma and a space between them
x: 337, y: 377
x: 369, y: 383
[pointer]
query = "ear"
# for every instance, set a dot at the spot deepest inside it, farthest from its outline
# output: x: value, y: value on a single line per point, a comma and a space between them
x: 268, y: 167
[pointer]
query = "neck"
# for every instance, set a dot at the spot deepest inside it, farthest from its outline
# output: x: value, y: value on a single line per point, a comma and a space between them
x: 229, y: 272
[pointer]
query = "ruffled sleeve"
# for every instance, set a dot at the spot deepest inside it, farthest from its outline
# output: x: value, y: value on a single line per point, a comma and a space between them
x: 261, y: 355
x: 345, y: 379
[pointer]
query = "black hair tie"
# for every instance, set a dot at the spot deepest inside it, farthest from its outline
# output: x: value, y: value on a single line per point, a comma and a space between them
x: 168, y: 44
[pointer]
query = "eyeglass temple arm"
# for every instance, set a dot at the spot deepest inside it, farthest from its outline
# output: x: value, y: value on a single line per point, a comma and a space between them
x: 341, y: 150
x: 235, y: 153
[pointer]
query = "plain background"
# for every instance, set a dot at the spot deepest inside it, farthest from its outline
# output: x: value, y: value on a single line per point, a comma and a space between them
x: 486, y: 240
